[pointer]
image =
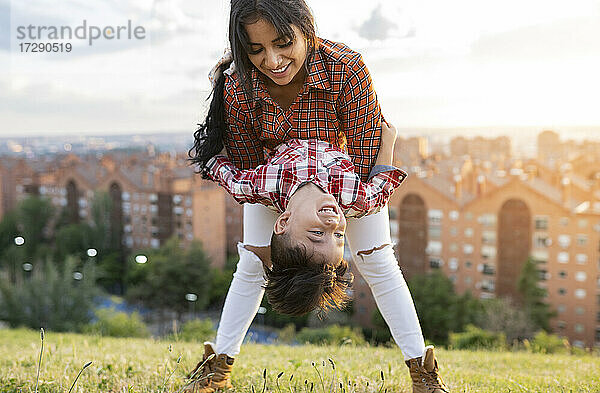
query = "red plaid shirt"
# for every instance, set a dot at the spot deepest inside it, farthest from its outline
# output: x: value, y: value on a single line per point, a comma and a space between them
x: 336, y: 104
x: 299, y: 161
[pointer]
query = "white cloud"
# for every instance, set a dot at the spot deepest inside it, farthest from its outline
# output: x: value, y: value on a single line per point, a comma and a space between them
x: 461, y: 62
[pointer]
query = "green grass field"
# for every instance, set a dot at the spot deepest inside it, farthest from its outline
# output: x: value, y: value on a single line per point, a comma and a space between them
x: 143, y: 365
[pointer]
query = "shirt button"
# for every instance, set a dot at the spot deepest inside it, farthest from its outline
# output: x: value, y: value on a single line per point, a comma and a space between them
x: 311, y: 177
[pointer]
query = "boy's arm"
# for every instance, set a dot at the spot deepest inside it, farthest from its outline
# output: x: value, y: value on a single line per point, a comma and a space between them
x: 240, y: 184
x: 370, y: 197
x: 384, y: 178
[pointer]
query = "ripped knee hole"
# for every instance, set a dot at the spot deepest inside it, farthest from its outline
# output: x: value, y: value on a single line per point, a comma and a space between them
x: 372, y: 250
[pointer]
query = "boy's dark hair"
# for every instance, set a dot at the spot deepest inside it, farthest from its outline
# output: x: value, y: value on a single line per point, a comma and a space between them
x: 299, y: 282
x: 208, y: 138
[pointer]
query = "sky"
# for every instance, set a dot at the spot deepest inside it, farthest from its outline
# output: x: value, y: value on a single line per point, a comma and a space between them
x: 434, y: 63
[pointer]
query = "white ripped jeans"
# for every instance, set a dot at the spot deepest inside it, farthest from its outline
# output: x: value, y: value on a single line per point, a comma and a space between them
x: 379, y: 269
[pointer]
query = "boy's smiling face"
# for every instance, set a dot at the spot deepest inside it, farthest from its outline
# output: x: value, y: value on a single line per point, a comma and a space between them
x: 314, y: 219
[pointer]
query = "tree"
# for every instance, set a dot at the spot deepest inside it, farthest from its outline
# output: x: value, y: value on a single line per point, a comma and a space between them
x: 169, y: 275
x: 33, y: 216
x: 533, y: 296
x: 439, y: 308
x: 49, y: 297
x: 502, y: 315
x: 103, y: 238
x: 380, y: 333
x: 73, y: 239
x: 111, y: 258
x: 8, y: 231
x: 11, y: 261
x: 466, y: 310
x: 219, y: 286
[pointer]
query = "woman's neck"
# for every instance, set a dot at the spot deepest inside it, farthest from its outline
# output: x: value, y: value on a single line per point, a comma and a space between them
x: 286, y: 94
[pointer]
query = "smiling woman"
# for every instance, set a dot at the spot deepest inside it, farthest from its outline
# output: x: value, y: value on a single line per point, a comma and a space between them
x: 280, y: 58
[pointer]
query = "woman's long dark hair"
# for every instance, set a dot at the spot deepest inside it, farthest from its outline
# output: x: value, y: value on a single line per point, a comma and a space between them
x: 282, y: 14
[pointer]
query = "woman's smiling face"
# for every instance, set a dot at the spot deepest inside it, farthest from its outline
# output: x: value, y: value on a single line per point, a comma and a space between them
x: 278, y: 57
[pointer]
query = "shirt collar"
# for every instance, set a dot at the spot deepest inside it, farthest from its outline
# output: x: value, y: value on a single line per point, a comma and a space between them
x: 317, y: 73
x: 258, y: 87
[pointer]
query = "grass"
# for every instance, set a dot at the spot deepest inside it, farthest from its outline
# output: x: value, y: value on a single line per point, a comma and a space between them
x: 145, y: 365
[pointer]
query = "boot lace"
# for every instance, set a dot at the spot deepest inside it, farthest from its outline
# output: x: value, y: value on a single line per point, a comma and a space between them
x: 432, y: 380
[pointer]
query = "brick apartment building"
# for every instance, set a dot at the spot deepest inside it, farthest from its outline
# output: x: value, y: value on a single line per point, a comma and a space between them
x: 479, y: 220
x: 155, y: 198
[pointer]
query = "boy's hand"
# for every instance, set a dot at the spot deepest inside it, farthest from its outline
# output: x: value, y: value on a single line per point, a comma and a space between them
x: 386, y: 148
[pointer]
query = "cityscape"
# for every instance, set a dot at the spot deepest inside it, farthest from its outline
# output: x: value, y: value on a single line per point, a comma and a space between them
x: 122, y: 269
x: 475, y: 208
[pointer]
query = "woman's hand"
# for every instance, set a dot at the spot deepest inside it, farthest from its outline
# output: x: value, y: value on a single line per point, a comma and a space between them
x: 388, y: 139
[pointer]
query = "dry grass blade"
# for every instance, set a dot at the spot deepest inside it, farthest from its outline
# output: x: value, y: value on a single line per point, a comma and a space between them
x: 382, y: 382
x: 194, y: 381
x: 37, y: 378
x: 201, y: 366
x: 80, y: 371
x: 333, y: 377
x: 265, y: 380
x: 320, y: 377
x: 170, y: 375
x: 277, y: 381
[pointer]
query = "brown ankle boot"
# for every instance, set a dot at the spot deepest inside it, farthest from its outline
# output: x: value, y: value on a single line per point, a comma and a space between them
x: 424, y: 374
x: 210, y: 375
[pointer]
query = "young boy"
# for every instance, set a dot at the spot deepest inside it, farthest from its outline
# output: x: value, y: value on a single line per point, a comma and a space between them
x: 313, y: 185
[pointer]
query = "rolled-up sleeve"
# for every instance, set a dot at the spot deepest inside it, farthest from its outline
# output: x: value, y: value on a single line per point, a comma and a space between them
x: 371, y: 196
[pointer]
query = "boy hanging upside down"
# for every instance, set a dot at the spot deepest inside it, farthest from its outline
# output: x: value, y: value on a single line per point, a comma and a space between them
x: 313, y: 185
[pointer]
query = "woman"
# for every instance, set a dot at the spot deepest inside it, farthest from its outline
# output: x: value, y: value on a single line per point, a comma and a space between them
x: 285, y: 83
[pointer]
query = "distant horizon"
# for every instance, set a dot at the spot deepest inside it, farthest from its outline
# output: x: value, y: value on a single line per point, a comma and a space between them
x: 565, y: 131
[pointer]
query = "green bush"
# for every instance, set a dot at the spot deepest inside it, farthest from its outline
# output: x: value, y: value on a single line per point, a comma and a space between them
x: 331, y: 335
x: 173, y: 272
x: 476, y: 338
x: 543, y: 342
x: 580, y: 351
x: 117, y: 324
x: 48, y: 297
x: 380, y: 333
x: 440, y: 309
x: 199, y: 330
x: 287, y: 334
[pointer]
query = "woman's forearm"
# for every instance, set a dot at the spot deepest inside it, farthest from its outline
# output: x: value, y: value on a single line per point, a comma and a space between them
x: 385, y: 156
x: 388, y: 140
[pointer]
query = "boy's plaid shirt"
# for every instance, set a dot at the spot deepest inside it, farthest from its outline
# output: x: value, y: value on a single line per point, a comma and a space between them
x: 337, y: 104
x: 299, y: 161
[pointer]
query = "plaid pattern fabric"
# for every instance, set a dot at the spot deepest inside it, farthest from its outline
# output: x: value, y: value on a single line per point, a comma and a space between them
x: 299, y: 161
x: 337, y: 104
